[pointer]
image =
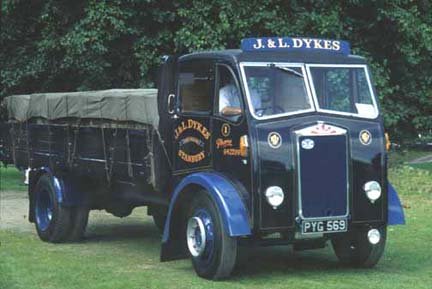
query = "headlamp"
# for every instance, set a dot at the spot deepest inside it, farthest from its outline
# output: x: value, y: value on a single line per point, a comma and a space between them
x: 275, y: 196
x: 372, y: 190
x: 374, y: 236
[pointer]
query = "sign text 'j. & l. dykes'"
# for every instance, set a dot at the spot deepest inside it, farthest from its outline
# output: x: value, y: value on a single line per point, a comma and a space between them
x: 294, y: 43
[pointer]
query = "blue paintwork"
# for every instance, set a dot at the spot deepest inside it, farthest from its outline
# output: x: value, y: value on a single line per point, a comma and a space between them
x: 295, y: 43
x: 58, y: 184
x: 44, y: 209
x: 233, y: 211
x: 209, y: 231
x: 66, y: 188
x: 395, y: 211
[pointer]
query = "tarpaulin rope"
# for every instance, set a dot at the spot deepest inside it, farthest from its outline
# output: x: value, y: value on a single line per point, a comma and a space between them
x: 129, y: 158
x: 164, y: 149
x: 107, y: 170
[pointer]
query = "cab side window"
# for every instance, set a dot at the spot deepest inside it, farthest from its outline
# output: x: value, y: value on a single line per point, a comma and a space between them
x: 195, y: 88
x: 228, y: 94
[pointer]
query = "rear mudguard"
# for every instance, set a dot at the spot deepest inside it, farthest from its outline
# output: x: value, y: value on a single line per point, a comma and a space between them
x: 66, y: 188
x: 226, y: 196
x: 395, y: 210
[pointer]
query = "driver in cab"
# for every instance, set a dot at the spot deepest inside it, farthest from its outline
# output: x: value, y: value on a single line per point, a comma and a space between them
x: 229, y: 98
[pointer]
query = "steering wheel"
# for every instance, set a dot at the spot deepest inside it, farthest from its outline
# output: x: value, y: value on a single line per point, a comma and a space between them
x: 276, y: 109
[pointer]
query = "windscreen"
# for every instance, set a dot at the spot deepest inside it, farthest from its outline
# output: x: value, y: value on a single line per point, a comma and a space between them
x: 343, y: 90
x: 276, y: 90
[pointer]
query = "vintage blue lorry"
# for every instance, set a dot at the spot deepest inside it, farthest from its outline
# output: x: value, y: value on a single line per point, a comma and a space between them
x: 280, y: 142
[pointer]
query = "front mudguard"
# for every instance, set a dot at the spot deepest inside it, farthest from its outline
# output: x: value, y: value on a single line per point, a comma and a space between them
x: 227, y: 198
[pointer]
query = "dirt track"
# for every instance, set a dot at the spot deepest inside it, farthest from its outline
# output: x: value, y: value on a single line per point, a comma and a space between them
x: 14, y: 216
x: 425, y: 159
x: 14, y: 210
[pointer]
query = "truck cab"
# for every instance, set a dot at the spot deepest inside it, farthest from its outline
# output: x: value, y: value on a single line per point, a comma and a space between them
x: 294, y: 125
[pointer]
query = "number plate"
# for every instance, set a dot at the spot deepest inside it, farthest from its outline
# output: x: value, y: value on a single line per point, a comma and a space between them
x: 324, y: 226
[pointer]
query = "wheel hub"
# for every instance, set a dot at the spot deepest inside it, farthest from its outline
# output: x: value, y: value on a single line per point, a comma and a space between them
x: 196, y: 236
x: 44, y: 210
x: 200, y: 235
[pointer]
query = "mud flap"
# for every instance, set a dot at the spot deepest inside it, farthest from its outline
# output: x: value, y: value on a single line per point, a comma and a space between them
x: 395, y: 211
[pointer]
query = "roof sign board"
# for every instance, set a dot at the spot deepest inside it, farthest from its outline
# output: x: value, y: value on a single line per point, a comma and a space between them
x: 295, y: 43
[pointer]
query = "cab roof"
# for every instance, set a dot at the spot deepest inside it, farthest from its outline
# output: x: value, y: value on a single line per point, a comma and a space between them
x: 238, y: 55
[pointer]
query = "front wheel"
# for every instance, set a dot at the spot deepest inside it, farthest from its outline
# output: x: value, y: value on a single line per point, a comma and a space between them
x: 356, y: 249
x: 213, y: 251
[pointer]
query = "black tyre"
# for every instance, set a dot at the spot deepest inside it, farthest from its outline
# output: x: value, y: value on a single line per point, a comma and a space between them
x: 159, y: 221
x: 354, y: 249
x: 51, y: 218
x: 79, y: 219
x: 212, y: 250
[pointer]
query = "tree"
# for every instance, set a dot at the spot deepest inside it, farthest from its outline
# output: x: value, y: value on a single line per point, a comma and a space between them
x: 78, y: 45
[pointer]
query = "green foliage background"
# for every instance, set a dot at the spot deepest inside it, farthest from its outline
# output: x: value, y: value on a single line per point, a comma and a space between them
x: 80, y: 45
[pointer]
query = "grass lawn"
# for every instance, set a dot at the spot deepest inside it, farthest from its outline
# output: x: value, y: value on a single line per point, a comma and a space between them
x: 124, y: 253
x: 424, y: 166
x: 11, y: 179
x: 400, y: 157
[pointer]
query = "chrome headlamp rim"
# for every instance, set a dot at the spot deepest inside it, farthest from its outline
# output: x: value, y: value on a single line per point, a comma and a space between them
x: 372, y: 190
x: 374, y: 236
x: 275, y: 196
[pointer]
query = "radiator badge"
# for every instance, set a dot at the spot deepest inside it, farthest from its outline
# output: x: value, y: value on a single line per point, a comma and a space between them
x: 274, y: 140
x: 307, y: 144
x: 365, y: 137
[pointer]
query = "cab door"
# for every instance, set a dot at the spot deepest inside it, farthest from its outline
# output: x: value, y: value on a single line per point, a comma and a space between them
x: 192, y: 131
x: 231, y: 141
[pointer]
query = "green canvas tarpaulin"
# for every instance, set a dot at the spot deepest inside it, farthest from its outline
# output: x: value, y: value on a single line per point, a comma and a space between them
x: 138, y: 105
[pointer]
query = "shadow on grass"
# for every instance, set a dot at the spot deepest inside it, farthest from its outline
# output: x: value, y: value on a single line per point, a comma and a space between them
x: 252, y: 262
x: 258, y: 263
x: 123, y: 232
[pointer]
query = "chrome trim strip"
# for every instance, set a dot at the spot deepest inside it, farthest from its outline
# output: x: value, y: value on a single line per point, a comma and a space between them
x: 92, y: 160
x: 170, y: 98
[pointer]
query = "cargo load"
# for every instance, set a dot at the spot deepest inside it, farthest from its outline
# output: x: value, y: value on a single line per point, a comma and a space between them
x: 120, y: 105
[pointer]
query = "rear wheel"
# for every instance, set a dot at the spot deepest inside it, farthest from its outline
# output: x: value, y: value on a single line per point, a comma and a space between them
x: 79, y: 220
x: 356, y: 250
x: 52, y: 220
x: 213, y: 251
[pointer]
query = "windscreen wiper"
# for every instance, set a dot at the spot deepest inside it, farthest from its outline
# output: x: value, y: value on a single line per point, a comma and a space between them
x: 286, y: 69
